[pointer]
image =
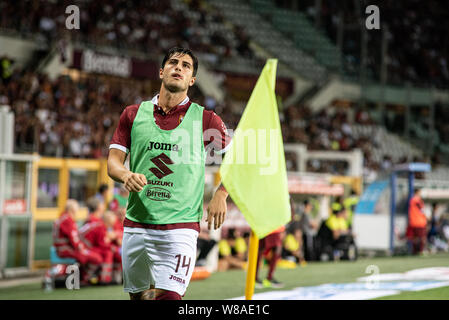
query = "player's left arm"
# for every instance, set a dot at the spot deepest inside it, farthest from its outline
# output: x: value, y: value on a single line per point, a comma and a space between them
x: 216, y: 211
x: 217, y: 208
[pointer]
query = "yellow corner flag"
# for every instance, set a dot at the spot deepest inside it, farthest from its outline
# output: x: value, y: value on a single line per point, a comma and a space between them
x: 253, y: 170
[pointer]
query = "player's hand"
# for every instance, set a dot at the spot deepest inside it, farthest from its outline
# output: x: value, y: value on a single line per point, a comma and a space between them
x: 216, y: 211
x: 134, y: 182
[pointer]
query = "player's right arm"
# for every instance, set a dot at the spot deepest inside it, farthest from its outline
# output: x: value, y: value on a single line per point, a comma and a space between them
x: 119, y: 148
x: 134, y: 182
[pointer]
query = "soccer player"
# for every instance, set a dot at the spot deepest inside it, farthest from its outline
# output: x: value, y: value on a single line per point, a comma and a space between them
x: 166, y: 181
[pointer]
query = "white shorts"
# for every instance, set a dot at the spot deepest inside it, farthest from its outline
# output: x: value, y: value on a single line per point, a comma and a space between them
x: 163, y: 258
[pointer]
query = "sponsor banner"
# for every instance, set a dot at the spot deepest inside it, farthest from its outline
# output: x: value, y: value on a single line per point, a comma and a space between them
x: 95, y: 62
x: 14, y: 206
x: 414, y: 167
x: 370, y: 197
x: 371, y: 287
x: 313, y: 185
x: 435, y: 193
x: 241, y: 85
x: 102, y: 63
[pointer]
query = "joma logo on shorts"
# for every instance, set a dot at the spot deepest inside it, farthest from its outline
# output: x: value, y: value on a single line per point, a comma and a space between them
x: 162, y: 146
x: 158, y: 194
x: 172, y: 277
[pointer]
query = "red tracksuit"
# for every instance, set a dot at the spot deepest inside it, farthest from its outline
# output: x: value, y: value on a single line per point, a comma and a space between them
x: 117, y: 245
x: 68, y: 244
x: 93, y: 234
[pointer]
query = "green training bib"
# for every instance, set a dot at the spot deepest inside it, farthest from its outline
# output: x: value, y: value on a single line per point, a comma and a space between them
x: 173, y: 162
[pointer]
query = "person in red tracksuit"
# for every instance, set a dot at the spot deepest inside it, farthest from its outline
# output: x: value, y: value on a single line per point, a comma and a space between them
x: 115, y: 231
x: 94, y: 234
x: 115, y: 234
x: 271, y: 246
x: 68, y: 244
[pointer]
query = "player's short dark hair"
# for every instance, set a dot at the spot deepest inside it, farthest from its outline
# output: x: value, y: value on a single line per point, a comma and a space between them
x: 182, y: 51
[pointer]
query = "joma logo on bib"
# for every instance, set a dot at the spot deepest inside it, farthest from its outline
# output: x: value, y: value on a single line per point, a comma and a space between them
x: 158, y: 194
x: 162, y: 146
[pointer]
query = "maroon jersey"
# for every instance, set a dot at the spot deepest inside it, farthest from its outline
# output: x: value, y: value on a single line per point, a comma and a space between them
x: 168, y: 121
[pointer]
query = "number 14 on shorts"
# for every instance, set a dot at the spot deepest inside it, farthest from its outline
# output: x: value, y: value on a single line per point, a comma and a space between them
x: 184, y: 264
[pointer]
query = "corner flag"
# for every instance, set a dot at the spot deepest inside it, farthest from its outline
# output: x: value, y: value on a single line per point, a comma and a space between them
x: 254, y: 173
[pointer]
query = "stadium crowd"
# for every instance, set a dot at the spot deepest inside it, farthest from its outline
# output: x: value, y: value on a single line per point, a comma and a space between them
x: 418, y: 48
x: 74, y: 118
x: 124, y: 25
x: 69, y: 117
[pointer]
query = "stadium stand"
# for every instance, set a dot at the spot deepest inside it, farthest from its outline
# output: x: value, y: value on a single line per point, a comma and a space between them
x: 243, y: 15
x: 418, y: 48
x: 309, y: 39
x: 121, y: 25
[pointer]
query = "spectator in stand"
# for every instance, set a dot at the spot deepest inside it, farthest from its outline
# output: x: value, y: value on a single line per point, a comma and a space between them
x: 417, y: 223
x: 68, y: 244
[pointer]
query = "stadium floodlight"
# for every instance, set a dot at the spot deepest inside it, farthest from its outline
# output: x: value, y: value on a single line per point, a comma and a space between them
x: 410, y: 168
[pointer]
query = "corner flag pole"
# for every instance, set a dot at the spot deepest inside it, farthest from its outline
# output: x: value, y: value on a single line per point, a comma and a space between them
x: 247, y: 182
x: 252, y: 266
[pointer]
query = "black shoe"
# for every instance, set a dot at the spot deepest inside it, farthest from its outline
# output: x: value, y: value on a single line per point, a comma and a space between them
x: 258, y: 284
